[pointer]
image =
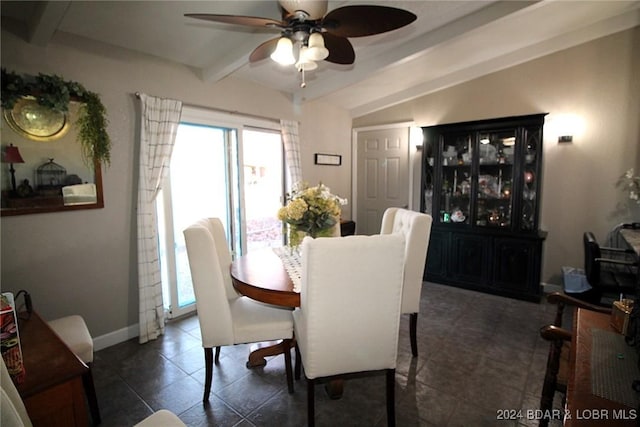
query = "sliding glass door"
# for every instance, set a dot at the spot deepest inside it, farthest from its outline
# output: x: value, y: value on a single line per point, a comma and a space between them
x: 263, y: 188
x: 219, y: 168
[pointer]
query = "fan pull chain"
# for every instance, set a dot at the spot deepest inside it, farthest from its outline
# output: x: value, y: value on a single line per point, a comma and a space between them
x: 303, y: 83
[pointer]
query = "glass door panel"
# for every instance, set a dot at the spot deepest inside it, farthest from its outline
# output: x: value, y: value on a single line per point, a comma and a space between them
x: 428, y: 177
x: 218, y: 169
x: 497, y: 152
x: 455, y: 197
x: 530, y: 180
x: 263, y: 188
x: 198, y: 189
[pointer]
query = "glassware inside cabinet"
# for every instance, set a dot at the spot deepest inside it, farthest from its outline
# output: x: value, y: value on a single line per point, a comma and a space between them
x: 455, y: 197
x: 428, y: 175
x: 495, y: 178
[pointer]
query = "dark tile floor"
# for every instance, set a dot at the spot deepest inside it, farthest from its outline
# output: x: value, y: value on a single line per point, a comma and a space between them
x: 479, y: 354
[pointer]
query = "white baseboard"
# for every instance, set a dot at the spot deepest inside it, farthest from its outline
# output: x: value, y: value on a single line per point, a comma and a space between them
x: 115, y: 337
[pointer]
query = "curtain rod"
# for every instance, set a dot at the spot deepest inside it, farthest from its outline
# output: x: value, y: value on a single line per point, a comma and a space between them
x: 221, y: 110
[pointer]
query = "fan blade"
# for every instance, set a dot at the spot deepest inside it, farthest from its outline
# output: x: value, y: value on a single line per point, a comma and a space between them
x: 340, y: 49
x: 251, y: 21
x: 364, y: 20
x: 264, y: 50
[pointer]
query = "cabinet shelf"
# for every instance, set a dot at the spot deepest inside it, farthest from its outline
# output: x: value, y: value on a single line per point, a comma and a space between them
x: 487, y: 173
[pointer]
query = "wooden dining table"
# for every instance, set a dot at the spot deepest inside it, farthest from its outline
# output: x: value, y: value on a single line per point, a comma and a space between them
x: 592, y: 383
x: 261, y: 276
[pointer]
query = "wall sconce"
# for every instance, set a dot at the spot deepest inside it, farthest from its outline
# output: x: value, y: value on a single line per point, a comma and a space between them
x: 566, y: 127
x: 416, y: 138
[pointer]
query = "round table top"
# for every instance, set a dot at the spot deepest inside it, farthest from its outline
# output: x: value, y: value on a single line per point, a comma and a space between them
x: 260, y: 275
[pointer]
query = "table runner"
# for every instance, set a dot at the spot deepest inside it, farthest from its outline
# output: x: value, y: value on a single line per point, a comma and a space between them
x: 292, y: 263
x: 614, y: 365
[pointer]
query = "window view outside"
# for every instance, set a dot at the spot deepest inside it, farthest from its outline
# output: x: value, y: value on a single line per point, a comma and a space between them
x: 263, y: 188
x: 198, y: 190
x: 199, y: 187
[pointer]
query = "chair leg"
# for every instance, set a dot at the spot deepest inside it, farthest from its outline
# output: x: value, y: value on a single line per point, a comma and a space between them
x: 217, y: 359
x: 550, y: 381
x: 208, y: 373
x: 391, y: 397
x: 92, y: 398
x: 298, y: 367
x: 311, y: 410
x: 413, y: 325
x: 286, y: 344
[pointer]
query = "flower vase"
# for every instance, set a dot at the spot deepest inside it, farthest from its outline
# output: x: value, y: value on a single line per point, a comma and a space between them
x: 296, y: 236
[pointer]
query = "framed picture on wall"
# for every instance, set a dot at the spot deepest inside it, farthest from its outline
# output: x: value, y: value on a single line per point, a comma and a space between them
x: 328, y: 159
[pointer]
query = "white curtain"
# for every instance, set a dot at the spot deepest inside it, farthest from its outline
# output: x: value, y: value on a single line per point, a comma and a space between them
x: 291, y: 140
x: 158, y: 128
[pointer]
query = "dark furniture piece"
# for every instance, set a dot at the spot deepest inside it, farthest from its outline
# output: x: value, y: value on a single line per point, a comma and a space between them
x: 347, y: 228
x: 582, y: 401
x: 481, y: 182
x: 558, y: 368
x: 52, y: 389
x: 609, y: 271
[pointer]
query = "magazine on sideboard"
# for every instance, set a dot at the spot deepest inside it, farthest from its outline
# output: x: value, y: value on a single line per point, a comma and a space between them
x: 10, y: 338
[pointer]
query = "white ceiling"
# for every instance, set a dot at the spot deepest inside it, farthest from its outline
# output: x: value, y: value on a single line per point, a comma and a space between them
x: 450, y: 42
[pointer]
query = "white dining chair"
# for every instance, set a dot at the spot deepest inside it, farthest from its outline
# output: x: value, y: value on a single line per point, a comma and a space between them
x: 73, y: 331
x: 225, y: 317
x: 13, y: 413
x: 416, y: 227
x: 349, y: 312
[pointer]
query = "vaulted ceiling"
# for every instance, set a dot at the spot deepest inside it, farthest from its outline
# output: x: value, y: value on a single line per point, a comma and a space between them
x: 449, y: 43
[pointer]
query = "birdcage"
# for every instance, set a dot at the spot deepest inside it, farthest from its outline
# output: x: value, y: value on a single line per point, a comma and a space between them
x: 50, y: 177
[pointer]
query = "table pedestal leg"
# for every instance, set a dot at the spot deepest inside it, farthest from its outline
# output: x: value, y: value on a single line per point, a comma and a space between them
x: 264, y: 349
x: 334, y: 389
x: 260, y: 351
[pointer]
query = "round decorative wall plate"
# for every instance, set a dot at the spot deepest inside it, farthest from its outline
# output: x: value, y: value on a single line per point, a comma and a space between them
x: 33, y: 121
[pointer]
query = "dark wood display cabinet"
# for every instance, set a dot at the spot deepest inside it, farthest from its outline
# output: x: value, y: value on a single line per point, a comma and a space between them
x: 481, y: 182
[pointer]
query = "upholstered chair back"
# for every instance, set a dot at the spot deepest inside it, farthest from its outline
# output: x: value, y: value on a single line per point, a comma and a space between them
x: 416, y: 227
x: 216, y: 229
x: 12, y: 410
x: 210, y: 260
x: 350, y: 297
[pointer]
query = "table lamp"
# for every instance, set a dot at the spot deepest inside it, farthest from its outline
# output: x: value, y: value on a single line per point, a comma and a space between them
x: 11, y: 156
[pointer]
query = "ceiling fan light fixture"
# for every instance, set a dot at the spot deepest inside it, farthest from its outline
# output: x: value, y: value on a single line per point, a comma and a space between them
x: 283, y: 54
x: 315, y: 9
x: 305, y: 62
x: 317, y: 50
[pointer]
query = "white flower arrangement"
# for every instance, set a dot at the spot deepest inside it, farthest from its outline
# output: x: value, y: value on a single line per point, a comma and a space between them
x: 310, y: 210
x: 630, y: 183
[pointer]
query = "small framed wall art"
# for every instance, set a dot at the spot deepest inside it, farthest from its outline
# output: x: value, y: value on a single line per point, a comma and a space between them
x: 328, y: 159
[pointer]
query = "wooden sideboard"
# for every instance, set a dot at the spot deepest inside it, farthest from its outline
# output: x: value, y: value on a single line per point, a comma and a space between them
x: 52, y: 389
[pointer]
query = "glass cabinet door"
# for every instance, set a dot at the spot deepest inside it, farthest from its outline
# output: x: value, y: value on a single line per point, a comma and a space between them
x: 496, y: 159
x: 455, y: 195
x: 532, y: 155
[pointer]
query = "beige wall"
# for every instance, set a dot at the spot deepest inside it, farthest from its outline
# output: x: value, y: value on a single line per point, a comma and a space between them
x: 599, y: 82
x: 84, y: 261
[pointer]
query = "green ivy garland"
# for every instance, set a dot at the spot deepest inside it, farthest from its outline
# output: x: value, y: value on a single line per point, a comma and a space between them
x: 51, y: 91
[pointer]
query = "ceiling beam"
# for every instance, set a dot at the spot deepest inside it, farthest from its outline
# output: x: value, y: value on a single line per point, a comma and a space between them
x: 232, y: 62
x: 416, y: 47
x: 43, y: 23
x: 504, y: 60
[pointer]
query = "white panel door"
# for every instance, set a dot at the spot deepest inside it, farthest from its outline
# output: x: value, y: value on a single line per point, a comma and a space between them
x: 382, y: 175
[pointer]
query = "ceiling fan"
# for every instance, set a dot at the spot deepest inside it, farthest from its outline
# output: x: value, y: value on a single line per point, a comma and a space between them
x: 315, y: 35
